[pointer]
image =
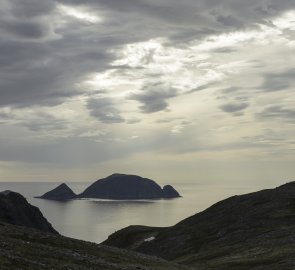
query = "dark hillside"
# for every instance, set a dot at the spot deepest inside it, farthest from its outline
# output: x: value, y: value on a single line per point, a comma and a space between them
x: 252, y: 231
x: 15, y: 209
x: 23, y: 248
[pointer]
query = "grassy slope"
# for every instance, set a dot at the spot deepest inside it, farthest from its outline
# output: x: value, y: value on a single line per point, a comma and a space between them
x: 29, y: 249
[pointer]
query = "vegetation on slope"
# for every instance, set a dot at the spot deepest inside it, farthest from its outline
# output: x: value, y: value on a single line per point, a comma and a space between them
x: 252, y: 231
x: 29, y: 249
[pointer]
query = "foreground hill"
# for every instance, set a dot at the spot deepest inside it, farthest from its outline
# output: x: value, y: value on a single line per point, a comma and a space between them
x: 35, y: 245
x: 28, y: 249
x: 15, y: 209
x: 252, y: 231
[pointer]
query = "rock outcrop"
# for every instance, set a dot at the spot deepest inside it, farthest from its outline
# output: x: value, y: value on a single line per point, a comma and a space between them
x: 127, y: 187
x: 15, y: 209
x: 252, y: 231
x: 60, y: 193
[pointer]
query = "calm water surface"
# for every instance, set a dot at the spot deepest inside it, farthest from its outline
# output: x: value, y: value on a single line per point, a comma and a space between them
x: 94, y: 220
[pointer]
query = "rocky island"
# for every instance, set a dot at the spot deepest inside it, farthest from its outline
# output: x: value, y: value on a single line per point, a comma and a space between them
x: 128, y: 187
x: 60, y: 193
x: 116, y: 187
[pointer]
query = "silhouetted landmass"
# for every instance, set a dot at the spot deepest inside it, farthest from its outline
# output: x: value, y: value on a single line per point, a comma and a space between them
x: 131, y: 187
x: 60, y: 193
x: 252, y: 231
x: 116, y: 187
x: 15, y: 209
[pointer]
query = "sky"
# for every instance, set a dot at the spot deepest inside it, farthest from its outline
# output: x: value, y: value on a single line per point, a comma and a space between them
x: 177, y: 91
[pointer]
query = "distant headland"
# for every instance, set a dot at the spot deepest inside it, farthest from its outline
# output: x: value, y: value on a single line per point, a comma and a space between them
x: 116, y: 187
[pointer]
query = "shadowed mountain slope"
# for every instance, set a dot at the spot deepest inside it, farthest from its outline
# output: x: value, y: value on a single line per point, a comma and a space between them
x: 252, y: 231
x: 29, y: 249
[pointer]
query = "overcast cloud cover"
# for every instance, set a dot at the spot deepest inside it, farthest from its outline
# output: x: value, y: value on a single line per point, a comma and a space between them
x: 191, y: 90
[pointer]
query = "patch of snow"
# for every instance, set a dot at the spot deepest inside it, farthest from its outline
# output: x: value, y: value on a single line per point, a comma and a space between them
x: 149, y: 239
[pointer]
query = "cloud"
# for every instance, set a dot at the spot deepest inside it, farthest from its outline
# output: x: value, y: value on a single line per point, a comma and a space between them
x: 25, y: 29
x: 231, y: 89
x: 234, y: 108
x: 201, y: 87
x: 278, y: 81
x: 104, y: 110
x: 45, y: 73
x: 29, y: 8
x: 177, y: 129
x: 168, y: 120
x: 229, y: 21
x: 70, y: 76
x: 278, y: 112
x: 44, y: 122
x: 133, y: 121
x: 48, y: 72
x: 154, y: 98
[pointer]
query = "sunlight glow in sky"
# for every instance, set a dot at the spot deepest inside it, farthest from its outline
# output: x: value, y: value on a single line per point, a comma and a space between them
x: 79, y: 14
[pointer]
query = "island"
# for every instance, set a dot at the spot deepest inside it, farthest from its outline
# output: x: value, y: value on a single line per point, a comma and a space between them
x: 116, y: 187
x: 60, y: 193
x: 128, y: 187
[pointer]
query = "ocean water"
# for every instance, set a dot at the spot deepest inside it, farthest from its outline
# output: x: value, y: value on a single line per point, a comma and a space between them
x: 95, y: 220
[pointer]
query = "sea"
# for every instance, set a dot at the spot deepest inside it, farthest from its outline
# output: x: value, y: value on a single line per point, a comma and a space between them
x: 94, y: 220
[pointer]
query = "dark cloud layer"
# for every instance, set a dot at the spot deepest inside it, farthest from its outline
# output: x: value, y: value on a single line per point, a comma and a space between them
x: 278, y: 112
x: 104, y: 110
x: 234, y: 108
x: 29, y: 8
x: 278, y: 81
x: 25, y: 29
x: 44, y: 122
x: 52, y: 54
x: 154, y: 98
x: 46, y: 70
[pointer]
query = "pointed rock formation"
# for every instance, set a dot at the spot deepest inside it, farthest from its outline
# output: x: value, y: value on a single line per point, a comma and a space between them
x: 14, y: 209
x: 60, y: 193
